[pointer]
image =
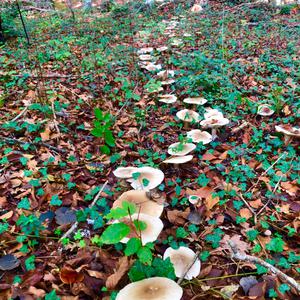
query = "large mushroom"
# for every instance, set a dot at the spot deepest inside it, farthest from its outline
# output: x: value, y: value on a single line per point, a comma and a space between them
x: 164, y: 74
x: 145, y: 50
x: 212, y: 112
x: 187, y: 116
x: 289, y: 132
x: 155, y: 288
x: 214, y: 123
x: 146, y: 178
x: 180, y: 149
x: 141, y: 200
x: 198, y: 136
x: 154, y: 226
x: 195, y: 101
x: 124, y: 172
x: 146, y: 57
x: 184, y: 262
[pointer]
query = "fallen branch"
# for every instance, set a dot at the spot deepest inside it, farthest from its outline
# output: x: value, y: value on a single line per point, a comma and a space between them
x: 23, y: 112
x: 75, y: 225
x: 252, y: 259
x: 38, y: 9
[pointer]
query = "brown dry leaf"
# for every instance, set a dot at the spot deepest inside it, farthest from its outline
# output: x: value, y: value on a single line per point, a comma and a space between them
x: 236, y: 239
x: 45, y: 135
x: 256, y: 203
x: 245, y: 213
x: 97, y: 274
x: 36, y: 292
x: 291, y: 189
x: 68, y: 275
x: 203, y: 192
x: 7, y: 215
x: 211, y: 201
x: 178, y: 217
x: 208, y: 156
x: 123, y: 266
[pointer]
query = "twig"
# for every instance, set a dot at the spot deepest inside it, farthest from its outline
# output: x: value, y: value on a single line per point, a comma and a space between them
x: 188, y: 268
x: 23, y: 112
x: 38, y: 9
x: 54, y: 118
x: 250, y: 208
x: 75, y: 225
x: 237, y: 129
x: 252, y: 259
x: 266, y: 171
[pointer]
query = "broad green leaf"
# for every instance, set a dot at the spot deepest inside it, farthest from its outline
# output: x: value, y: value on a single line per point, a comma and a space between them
x: 132, y: 246
x: 114, y: 233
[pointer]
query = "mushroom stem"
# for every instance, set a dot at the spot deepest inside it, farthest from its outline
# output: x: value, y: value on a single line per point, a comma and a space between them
x: 186, y: 125
x: 214, y: 133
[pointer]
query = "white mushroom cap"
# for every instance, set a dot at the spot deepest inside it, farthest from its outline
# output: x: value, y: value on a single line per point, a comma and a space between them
x: 167, y: 98
x: 214, y: 122
x: 265, y: 110
x: 146, y: 57
x: 162, y: 49
x: 154, y: 226
x: 182, y: 258
x: 195, y: 100
x: 141, y: 200
x: 151, y: 67
x: 211, y: 112
x: 177, y: 42
x: 124, y: 172
x: 178, y: 159
x: 145, y: 50
x: 165, y: 74
x: 179, y: 149
x: 148, y: 179
x: 287, y: 130
x: 156, y: 90
x: 155, y: 288
x: 168, y: 81
x: 196, y: 8
x: 194, y: 199
x: 187, y: 115
x: 198, y: 136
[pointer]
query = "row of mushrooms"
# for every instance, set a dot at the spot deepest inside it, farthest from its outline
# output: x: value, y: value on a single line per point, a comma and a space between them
x: 144, y: 180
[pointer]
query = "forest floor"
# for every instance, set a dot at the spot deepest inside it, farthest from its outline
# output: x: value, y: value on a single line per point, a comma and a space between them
x: 76, y: 103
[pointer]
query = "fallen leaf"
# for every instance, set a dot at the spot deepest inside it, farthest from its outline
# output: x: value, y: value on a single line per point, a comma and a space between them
x: 68, y: 275
x: 245, y: 213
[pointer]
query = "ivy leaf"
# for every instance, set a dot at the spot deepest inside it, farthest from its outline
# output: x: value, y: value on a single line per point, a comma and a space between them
x: 136, y: 175
x: 275, y: 245
x: 145, y: 255
x: 283, y: 288
x: 29, y: 263
x: 55, y: 201
x: 24, y: 203
x: 114, y: 233
x: 132, y: 246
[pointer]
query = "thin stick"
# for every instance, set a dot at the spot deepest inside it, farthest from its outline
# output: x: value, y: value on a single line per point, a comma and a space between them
x: 20, y: 114
x: 75, y: 225
x: 188, y: 268
x: 252, y: 259
x: 23, y: 23
x: 250, y: 208
x: 54, y: 118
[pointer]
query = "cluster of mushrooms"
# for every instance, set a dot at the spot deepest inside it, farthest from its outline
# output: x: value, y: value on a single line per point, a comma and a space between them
x: 143, y: 180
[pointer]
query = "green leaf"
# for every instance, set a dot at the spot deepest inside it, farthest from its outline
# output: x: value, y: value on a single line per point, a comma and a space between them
x: 114, y: 233
x: 283, y: 288
x: 140, y: 225
x: 272, y: 293
x: 136, y: 175
x: 24, y: 203
x: 105, y: 149
x: 109, y: 138
x: 145, y: 255
x: 55, y: 201
x: 98, y: 113
x: 52, y: 296
x: 29, y: 263
x: 132, y: 246
x: 275, y: 245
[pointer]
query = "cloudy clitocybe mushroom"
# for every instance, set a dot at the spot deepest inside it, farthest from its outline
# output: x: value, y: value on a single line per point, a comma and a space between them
x: 195, y: 101
x: 265, y: 110
x: 155, y: 288
x: 289, y: 132
x: 187, y: 116
x: 212, y: 112
x: 143, y: 203
x: 184, y: 262
x: 145, y: 50
x: 181, y: 149
x: 198, y: 136
x: 214, y: 123
x: 168, y: 98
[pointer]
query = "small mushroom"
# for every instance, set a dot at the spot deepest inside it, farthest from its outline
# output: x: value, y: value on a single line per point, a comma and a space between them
x: 155, y: 288
x: 214, y: 123
x: 198, y: 136
x: 180, y: 149
x: 187, y: 116
x: 178, y: 159
x: 167, y: 98
x: 151, y: 67
x: 168, y: 81
x: 148, y: 178
x: 154, y: 226
x: 183, y: 260
x: 142, y: 201
x: 196, y: 8
x: 289, y: 132
x: 195, y: 101
x: 194, y: 199
x: 265, y: 110
x: 145, y: 50
x: 146, y: 57
x: 162, y: 49
x: 164, y: 74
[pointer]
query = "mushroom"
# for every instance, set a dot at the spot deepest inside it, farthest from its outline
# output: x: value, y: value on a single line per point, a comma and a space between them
x: 148, y: 178
x: 194, y: 199
x: 162, y: 49
x: 265, y: 110
x: 195, y: 101
x: 168, y: 81
x: 146, y: 57
x: 177, y: 160
x: 196, y: 8
x: 142, y: 201
x: 167, y: 98
x: 187, y: 116
x: 183, y: 260
x: 176, y: 42
x: 289, y: 132
x: 165, y: 74
x: 154, y: 226
x: 211, y: 112
x: 151, y: 67
x: 198, y: 136
x: 155, y: 288
x: 180, y: 149
x: 214, y: 123
x: 124, y: 172
x: 145, y: 50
